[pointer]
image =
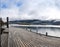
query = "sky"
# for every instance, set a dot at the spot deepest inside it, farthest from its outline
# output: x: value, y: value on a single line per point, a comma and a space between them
x: 30, y: 9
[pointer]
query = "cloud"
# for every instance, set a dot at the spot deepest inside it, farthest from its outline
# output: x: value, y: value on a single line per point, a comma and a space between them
x: 30, y: 9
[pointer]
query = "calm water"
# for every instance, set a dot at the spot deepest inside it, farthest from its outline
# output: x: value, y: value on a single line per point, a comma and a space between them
x: 50, y: 31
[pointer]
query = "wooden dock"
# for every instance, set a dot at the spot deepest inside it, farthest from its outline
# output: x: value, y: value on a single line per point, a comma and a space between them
x: 4, y: 38
x: 19, y: 37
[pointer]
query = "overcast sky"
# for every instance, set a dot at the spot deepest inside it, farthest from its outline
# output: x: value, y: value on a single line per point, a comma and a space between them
x: 30, y: 9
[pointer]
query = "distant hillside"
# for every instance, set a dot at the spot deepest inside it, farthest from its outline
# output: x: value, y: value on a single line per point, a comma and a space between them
x: 22, y: 21
x: 36, y: 21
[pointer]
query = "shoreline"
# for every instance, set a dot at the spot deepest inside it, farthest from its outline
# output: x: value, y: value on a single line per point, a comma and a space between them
x: 37, y: 33
x: 42, y: 34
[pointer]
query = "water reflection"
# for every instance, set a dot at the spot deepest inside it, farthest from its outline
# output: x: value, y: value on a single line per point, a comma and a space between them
x: 50, y: 31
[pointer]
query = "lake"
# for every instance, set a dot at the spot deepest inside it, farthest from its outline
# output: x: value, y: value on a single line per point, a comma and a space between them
x: 50, y: 31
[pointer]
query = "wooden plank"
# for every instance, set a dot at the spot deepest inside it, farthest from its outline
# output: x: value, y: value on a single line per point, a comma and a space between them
x: 19, y: 37
x: 4, y: 38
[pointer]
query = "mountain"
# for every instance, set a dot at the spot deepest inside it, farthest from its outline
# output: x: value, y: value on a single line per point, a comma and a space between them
x: 36, y: 21
x: 56, y: 22
x: 22, y: 21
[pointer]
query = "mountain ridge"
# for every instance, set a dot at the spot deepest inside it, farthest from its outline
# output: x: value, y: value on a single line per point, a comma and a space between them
x: 36, y: 21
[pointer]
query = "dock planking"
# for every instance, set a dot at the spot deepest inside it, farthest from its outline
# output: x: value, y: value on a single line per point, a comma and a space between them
x: 4, y: 38
x: 19, y: 37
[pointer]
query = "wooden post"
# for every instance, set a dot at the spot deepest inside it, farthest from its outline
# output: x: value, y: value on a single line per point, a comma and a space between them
x: 46, y: 34
x: 7, y: 22
x: 0, y: 30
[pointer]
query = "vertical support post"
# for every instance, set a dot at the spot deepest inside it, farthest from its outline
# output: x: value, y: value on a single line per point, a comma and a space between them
x: 0, y: 30
x: 7, y: 22
x: 46, y: 34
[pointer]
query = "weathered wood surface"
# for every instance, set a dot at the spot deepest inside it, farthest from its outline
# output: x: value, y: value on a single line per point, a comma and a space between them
x: 4, y: 38
x: 22, y: 38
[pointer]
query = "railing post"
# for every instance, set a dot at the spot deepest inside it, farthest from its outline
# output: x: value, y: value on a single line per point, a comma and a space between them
x: 46, y: 34
x: 7, y: 22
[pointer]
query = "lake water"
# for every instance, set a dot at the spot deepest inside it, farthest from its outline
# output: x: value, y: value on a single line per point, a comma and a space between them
x: 50, y: 31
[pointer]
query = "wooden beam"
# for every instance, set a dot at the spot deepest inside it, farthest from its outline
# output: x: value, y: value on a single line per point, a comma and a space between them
x: 7, y: 22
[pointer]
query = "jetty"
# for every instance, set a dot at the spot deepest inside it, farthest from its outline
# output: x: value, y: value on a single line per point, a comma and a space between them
x: 20, y: 37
